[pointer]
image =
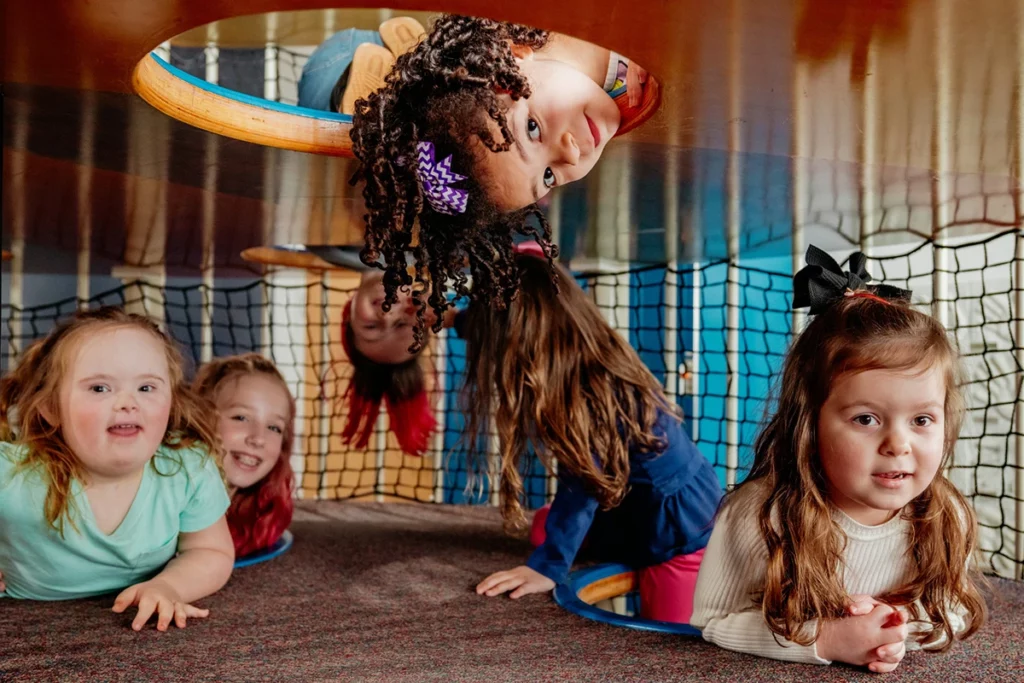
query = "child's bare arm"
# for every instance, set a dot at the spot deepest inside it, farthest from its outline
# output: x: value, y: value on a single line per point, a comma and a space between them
x: 203, y: 565
x: 204, y: 562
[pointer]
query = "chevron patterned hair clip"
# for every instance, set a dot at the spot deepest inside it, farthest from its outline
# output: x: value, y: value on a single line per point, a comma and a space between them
x: 436, y: 179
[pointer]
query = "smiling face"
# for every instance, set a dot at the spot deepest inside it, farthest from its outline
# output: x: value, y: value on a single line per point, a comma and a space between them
x: 881, y: 438
x: 382, y: 337
x: 115, y: 400
x: 255, y: 415
x: 560, y: 132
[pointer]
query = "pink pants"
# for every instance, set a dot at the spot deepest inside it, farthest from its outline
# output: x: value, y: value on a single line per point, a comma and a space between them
x: 666, y: 589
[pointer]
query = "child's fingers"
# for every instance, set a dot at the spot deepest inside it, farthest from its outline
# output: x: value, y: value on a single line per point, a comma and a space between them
x: 180, y: 615
x: 490, y: 582
x: 880, y: 614
x: 505, y: 586
x: 635, y: 78
x: 183, y: 611
x: 527, y: 588
x: 891, y: 654
x: 882, y: 667
x: 861, y: 604
x: 165, y: 612
x: 889, y: 657
x: 897, y: 618
x: 196, y: 612
x: 146, y: 607
x: 860, y: 608
x: 125, y: 599
x: 633, y: 87
x: 894, y: 629
x: 496, y: 578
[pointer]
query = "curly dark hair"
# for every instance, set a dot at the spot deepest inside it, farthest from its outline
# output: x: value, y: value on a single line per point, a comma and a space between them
x: 445, y: 91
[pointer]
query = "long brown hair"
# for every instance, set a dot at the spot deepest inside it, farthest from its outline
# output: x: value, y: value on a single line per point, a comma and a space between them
x: 787, y: 489
x: 260, y: 513
x: 556, y: 375
x: 32, y: 391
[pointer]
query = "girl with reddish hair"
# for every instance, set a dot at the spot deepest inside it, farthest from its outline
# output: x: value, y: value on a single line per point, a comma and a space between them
x: 377, y: 343
x: 256, y: 423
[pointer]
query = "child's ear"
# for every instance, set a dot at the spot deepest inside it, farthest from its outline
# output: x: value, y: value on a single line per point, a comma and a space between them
x: 523, y: 52
x: 50, y: 413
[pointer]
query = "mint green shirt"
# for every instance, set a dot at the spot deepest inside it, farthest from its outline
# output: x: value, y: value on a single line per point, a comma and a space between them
x: 38, y: 564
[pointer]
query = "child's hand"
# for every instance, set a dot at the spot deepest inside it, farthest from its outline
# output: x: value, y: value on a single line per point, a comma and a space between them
x: 876, y: 639
x: 636, y: 76
x: 160, y: 597
x: 521, y: 581
x: 863, y: 604
x: 3, y: 586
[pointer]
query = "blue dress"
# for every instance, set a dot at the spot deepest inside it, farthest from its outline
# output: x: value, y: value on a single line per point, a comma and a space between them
x: 669, y: 510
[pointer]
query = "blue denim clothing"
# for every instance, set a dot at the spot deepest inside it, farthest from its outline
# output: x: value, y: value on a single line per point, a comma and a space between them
x: 669, y: 510
x: 327, y: 63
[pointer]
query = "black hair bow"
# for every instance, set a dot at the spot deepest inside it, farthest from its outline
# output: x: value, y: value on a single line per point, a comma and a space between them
x: 822, y: 282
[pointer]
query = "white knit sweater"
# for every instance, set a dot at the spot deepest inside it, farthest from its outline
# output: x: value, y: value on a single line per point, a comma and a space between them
x: 876, y: 561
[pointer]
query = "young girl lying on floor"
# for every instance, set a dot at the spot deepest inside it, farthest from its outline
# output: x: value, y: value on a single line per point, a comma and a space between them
x: 107, y: 479
x: 847, y: 542
x: 257, y: 427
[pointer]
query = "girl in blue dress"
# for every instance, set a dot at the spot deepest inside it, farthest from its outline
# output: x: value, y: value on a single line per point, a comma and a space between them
x: 555, y: 376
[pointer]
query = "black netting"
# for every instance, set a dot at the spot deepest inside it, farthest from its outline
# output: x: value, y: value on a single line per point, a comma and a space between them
x: 715, y: 330
x: 714, y: 333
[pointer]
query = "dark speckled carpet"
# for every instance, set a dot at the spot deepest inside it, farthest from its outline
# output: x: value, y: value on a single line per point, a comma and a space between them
x: 383, y: 592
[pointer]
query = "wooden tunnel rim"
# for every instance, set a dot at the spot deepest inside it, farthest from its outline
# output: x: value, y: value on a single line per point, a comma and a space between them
x: 245, y: 117
x: 237, y: 115
x: 287, y: 258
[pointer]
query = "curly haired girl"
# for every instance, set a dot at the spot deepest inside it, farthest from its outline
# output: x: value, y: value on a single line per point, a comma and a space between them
x: 473, y: 126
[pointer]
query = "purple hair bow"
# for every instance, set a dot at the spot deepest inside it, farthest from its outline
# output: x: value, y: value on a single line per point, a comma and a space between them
x: 436, y: 179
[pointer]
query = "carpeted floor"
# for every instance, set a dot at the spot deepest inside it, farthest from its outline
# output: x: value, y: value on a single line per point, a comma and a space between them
x: 384, y: 593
